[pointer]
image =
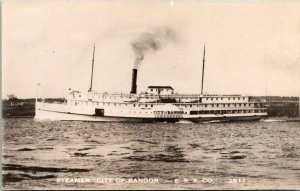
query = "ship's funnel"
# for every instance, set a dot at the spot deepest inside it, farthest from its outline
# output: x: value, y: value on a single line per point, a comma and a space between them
x: 133, y: 83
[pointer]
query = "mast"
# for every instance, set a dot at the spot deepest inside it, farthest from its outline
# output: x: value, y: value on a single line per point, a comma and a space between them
x: 91, y: 86
x: 203, y: 71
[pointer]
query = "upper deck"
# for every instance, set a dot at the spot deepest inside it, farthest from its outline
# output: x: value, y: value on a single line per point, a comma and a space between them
x: 158, y: 94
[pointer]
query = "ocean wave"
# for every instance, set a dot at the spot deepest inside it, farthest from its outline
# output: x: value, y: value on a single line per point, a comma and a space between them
x: 272, y: 120
x: 215, y: 121
x: 184, y: 121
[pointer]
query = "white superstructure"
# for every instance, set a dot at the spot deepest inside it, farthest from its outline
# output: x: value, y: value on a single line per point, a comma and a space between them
x: 149, y: 106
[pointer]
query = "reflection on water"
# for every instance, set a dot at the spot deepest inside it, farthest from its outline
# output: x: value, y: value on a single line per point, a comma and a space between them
x: 258, y: 154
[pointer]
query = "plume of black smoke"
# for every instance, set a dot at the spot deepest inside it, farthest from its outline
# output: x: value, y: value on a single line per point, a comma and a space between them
x: 152, y: 41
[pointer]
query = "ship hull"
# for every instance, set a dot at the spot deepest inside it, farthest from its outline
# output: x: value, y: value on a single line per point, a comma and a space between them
x: 62, y: 116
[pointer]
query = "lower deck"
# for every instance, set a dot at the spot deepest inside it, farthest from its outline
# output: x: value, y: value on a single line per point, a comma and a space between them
x: 161, y: 113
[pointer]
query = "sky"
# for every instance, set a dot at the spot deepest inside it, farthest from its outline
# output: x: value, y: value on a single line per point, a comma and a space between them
x: 252, y: 48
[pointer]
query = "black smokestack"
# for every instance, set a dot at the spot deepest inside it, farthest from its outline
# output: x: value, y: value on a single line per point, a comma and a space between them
x: 133, y: 83
x: 138, y: 59
x: 153, y: 41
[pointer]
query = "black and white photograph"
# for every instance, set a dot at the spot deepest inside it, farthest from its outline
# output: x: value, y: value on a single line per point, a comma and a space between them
x: 150, y: 94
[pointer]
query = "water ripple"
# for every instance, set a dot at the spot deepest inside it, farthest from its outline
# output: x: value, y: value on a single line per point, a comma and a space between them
x: 261, y: 152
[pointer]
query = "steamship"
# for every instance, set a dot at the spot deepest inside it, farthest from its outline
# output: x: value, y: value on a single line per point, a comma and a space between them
x: 156, y: 104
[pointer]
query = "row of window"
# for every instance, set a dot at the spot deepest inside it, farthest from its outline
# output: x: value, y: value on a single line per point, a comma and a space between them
x: 151, y: 105
x: 229, y: 98
x: 161, y: 90
x: 108, y: 104
x: 102, y: 97
x: 204, y: 98
x: 168, y: 116
x: 222, y: 105
x: 232, y: 104
x: 226, y: 111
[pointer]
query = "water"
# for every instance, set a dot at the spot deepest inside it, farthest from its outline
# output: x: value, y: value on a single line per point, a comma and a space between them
x: 244, y: 155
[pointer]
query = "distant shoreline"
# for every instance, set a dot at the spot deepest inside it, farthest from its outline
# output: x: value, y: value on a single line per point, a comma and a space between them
x: 4, y: 117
